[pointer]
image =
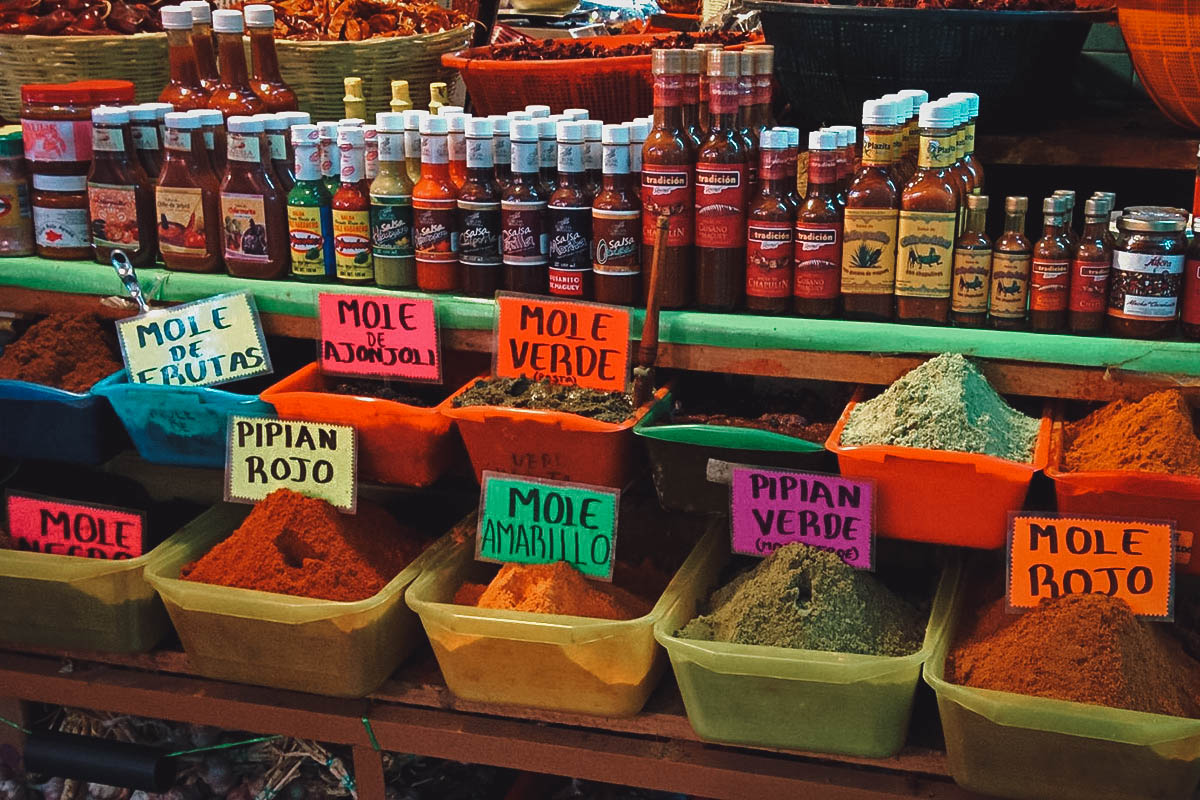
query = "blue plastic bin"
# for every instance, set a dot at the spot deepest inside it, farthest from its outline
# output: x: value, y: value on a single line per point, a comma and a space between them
x: 184, y: 425
x: 42, y: 422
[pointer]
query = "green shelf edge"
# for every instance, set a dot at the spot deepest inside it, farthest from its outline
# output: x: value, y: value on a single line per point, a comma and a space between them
x: 676, y: 327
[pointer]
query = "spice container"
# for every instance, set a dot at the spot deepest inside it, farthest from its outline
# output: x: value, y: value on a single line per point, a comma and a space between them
x: 60, y: 216
x: 56, y: 126
x: 72, y: 426
x: 1147, y: 271
x: 16, y: 212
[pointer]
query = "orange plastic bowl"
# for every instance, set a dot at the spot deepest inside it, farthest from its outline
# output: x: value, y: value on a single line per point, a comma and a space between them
x: 398, y: 443
x: 940, y: 496
x: 550, y: 444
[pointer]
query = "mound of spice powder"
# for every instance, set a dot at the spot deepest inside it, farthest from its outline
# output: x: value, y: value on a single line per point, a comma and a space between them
x: 547, y: 396
x: 1155, y: 434
x: 944, y: 404
x: 808, y: 598
x: 1089, y: 648
x: 67, y: 351
x: 555, y: 588
x: 297, y: 545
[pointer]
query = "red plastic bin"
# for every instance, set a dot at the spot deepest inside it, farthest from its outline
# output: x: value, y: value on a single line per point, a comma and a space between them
x: 940, y: 496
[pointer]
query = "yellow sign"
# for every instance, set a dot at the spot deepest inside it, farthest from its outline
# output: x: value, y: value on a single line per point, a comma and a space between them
x: 312, y: 458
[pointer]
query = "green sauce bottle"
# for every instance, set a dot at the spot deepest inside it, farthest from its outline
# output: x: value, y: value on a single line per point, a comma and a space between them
x: 309, y: 211
x: 391, y: 208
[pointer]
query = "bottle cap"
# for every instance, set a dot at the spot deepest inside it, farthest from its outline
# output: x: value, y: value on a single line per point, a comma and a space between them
x: 593, y: 129
x: 937, y: 115
x: 140, y: 113
x: 400, y: 90
x: 823, y: 139
x: 201, y: 11
x: 971, y: 99
x: 576, y: 114
x: 305, y: 134
x: 615, y: 134
x: 879, y: 112
x: 434, y: 125
x: 524, y: 130
x: 1054, y: 204
x: 456, y: 121
x: 1068, y: 194
x: 847, y: 134
x: 272, y: 122
x: 160, y: 109
x: 110, y: 115
x: 746, y: 64
x: 446, y: 111
x: 1095, y: 207
x: 693, y: 62
x: 353, y: 86
x: 259, y: 15
x: 244, y: 125
x: 773, y: 139
x: 638, y: 131
x: 977, y: 202
x: 915, y: 97
x: 1014, y: 205
x: 227, y: 21
x: 900, y: 107
x: 571, y: 132
x: 547, y: 128
x: 667, y: 62
x: 501, y: 124
x: 328, y: 130
x: 351, y: 122
x: 207, y: 116
x: 182, y: 121
x: 413, y: 117
x: 351, y: 136
x: 479, y: 127
x: 516, y: 115
x: 764, y: 59
x: 390, y: 121
x: 537, y: 111
x: 176, y: 18
x: 1153, y: 219
x: 722, y: 64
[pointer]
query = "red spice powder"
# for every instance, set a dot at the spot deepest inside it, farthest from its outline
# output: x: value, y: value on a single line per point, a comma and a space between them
x: 555, y: 588
x: 297, y: 545
x: 66, y: 351
x: 1155, y: 434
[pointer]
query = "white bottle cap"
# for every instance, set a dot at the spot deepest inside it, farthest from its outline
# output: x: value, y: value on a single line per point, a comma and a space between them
x: 328, y: 129
x: 570, y: 132
x: 524, y: 131
x: 576, y: 114
x: 244, y: 125
x: 272, y: 122
x: 349, y: 135
x: 413, y: 117
x: 390, y: 121
x: 259, y: 15
x: 547, y: 128
x: 479, y: 127
x: 638, y: 131
x: 226, y: 21
x: 201, y: 11
x: 456, y: 121
x: 615, y: 134
x: 847, y: 134
x: 915, y: 97
x: 110, y: 115
x: 445, y: 111
x: 937, y: 115
x: 294, y: 118
x: 433, y: 125
x: 182, y: 121
x: 879, y: 112
x: 823, y: 139
x: 592, y: 129
x: 501, y: 124
x: 176, y: 18
x: 305, y: 134
x: 773, y: 139
x: 519, y: 115
x: 207, y: 116
x: 972, y: 101
x: 793, y: 134
x: 139, y: 113
x: 537, y: 111
x: 351, y: 122
x: 160, y: 109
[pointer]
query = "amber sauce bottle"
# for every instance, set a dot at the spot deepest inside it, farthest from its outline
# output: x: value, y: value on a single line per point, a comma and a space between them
x: 1068, y: 216
x: 972, y: 267
x: 202, y: 43
x: 265, y: 79
x: 973, y: 165
x: 187, y: 202
x: 479, y: 212
x: 745, y: 120
x: 764, y: 68
x: 928, y: 216
x: 1090, y: 266
x: 871, y: 218
x: 616, y: 223
x: 793, y: 158
x: 693, y: 65
x: 769, y: 234
x: 183, y: 90
x: 120, y: 193
x: 1012, y: 258
x: 233, y: 95
x: 253, y: 208
x: 1050, y: 273
x: 569, y: 218
x: 817, y: 256
x: 523, y: 241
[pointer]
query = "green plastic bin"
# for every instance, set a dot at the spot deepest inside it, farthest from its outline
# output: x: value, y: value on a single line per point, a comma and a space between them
x: 801, y: 699
x: 1020, y: 746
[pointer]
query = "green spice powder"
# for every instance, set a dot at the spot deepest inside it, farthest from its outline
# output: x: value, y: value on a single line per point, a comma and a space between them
x: 525, y: 393
x: 944, y: 404
x: 808, y: 598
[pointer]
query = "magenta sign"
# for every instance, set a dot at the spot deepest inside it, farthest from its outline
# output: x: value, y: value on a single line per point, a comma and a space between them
x: 770, y: 508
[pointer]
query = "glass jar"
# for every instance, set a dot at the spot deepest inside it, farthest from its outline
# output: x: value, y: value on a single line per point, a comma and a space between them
x: 60, y: 216
x: 1147, y: 271
x: 56, y: 123
x: 16, y: 216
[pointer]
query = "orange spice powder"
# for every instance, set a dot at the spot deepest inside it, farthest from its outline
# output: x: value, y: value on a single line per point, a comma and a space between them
x: 1155, y: 434
x: 552, y: 589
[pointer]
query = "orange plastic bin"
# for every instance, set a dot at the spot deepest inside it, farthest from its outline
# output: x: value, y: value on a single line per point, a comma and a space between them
x: 398, y: 443
x: 940, y: 496
x: 550, y: 444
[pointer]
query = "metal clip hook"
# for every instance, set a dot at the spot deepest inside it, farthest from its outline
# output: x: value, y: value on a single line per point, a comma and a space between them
x: 125, y: 272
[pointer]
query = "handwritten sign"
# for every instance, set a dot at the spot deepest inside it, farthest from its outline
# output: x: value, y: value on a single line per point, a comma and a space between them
x: 202, y: 343
x: 382, y: 337
x: 771, y: 507
x: 63, y: 527
x: 580, y: 344
x: 311, y: 458
x: 1051, y: 555
x: 536, y: 521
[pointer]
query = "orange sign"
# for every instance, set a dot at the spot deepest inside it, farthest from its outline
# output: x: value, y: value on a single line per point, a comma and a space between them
x: 574, y: 343
x: 1051, y: 555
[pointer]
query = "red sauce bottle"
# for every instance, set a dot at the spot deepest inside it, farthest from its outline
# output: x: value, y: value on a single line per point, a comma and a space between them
x: 146, y: 140
x: 548, y: 154
x: 187, y: 200
x: 818, y: 246
x: 1090, y: 266
x: 202, y: 43
x: 1050, y: 276
x: 212, y: 127
x: 764, y: 68
x: 693, y: 65
x: 1069, y: 216
x: 569, y: 218
x: 253, y: 209
x: 616, y: 223
x: 278, y: 161
x: 435, y: 209
x: 769, y: 238
x: 746, y: 78
x: 872, y: 216
x: 352, y: 212
x: 524, y: 244
x: 233, y: 94
x: 120, y: 193
x: 703, y: 115
x: 265, y: 79
x: 183, y: 90
x: 639, y: 129
x: 456, y: 145
x: 1012, y: 257
x: 846, y: 135
x: 721, y: 193
x: 479, y: 213
x: 793, y: 158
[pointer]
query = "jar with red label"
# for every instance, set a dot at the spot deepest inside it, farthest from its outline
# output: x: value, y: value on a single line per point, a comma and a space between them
x: 769, y: 230
x: 16, y: 214
x: 120, y: 193
x: 1191, y: 286
x: 1050, y: 275
x: 60, y: 216
x: 1147, y: 271
x: 1090, y: 266
x: 56, y: 125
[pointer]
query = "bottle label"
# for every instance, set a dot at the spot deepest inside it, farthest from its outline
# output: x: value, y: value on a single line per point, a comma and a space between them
x: 55, y: 140
x: 924, y: 253
x: 1144, y: 286
x: 523, y: 238
x: 762, y: 90
x: 570, y: 248
x: 667, y: 190
x: 479, y: 154
x: 145, y: 137
x: 879, y: 149
x: 479, y: 233
x: 244, y: 226
x: 616, y: 160
x: 60, y: 227
x: 525, y: 157
x: 773, y: 164
x: 1191, y: 289
x: 352, y: 245
x: 769, y: 259
x: 180, y: 212
x: 547, y: 153
x: 113, y: 211
x: 108, y: 140
x: 720, y: 205
x: 353, y: 165
x: 938, y: 151
x: 724, y: 96
x: 14, y: 204
x: 822, y: 168
x: 390, y: 147
x: 1089, y: 286
x: 616, y: 247
x: 972, y: 275
x: 1010, y: 285
x: 306, y: 238
x: 435, y: 237
x: 277, y: 143
x: 818, y: 260
x: 179, y: 140
x: 456, y: 147
x: 1048, y: 285
x: 869, y: 251
x: 412, y: 144
x: 391, y: 226
x: 308, y: 163
x: 668, y: 90
x: 435, y: 149
x: 570, y: 158
x: 243, y: 147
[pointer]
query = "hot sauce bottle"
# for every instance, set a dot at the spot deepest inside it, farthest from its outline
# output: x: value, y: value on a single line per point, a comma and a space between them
x: 548, y: 155
x: 1012, y: 259
x: 310, y: 211
x: 456, y: 144
x: 330, y: 160
x: 275, y: 132
x: 524, y: 244
x: 926, y: 233
x: 253, y: 209
x: 212, y: 128
x: 793, y: 157
x: 703, y: 117
x: 187, y: 200
x: 912, y: 139
x: 616, y: 224
x: 202, y: 43
x: 120, y: 193
x: 146, y: 140
x: 973, y: 165
x: 371, y: 150
x: 746, y: 78
x: 972, y: 267
x: 668, y: 160
x: 1050, y: 273
x: 479, y: 213
x: 818, y: 249
x: 569, y: 218
x: 391, y: 208
x: 501, y: 148
x: 435, y: 210
x: 871, y: 217
x: 265, y: 79
x: 183, y: 90
x: 960, y: 175
x: 412, y: 143
x: 1090, y: 265
x: 1190, y: 315
x: 721, y: 193
x: 769, y: 230
x: 1068, y: 216
x: 593, y: 153
x: 233, y: 94
x: 693, y: 65
x: 352, y: 211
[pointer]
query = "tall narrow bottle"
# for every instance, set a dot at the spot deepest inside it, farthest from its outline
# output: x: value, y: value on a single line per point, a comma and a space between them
x: 871, y: 218
x: 265, y: 79
x: 746, y: 77
x: 456, y: 144
x: 412, y: 142
x: 973, y: 165
x: 793, y: 166
x: 769, y: 224
x: 639, y: 129
x: 501, y: 148
x: 310, y: 211
x: 693, y: 65
x: 616, y: 224
x: 818, y: 249
x: 972, y: 267
x: 352, y: 211
x: 569, y: 217
x: 391, y: 207
x: 330, y: 160
x: 435, y: 212
x: 353, y: 101
x: 846, y: 136
x: 479, y: 212
x: 548, y: 154
x: 401, y: 100
x: 1050, y: 273
x: 1090, y: 266
x: 183, y: 90
x: 703, y: 119
x: 960, y: 176
x: 524, y: 244
x: 764, y: 68
x: 1012, y: 258
x: 233, y: 94
x: 202, y: 44
x: 1068, y: 216
x: 912, y: 137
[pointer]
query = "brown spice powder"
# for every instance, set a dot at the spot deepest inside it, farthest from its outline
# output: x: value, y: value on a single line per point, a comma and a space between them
x: 1155, y: 434
x: 67, y: 351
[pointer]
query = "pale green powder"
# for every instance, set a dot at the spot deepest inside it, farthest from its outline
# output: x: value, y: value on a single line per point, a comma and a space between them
x: 944, y: 404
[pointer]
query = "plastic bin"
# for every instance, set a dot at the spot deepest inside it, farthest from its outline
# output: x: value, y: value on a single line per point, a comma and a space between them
x: 1020, y: 746
x: 39, y: 421
x: 183, y: 425
x: 801, y: 699
x: 282, y: 641
x: 397, y: 443
x: 583, y: 665
x: 550, y: 444
x: 941, y: 496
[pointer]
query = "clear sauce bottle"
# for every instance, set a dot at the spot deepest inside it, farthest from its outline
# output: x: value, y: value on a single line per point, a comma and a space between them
x: 1012, y: 260
x: 183, y: 90
x: 253, y: 208
x: 120, y: 193
x: 616, y: 224
x: 310, y: 211
x: 524, y: 244
x: 818, y: 233
x: 352, y: 211
x: 769, y: 223
x: 972, y: 267
x: 391, y: 208
x: 479, y: 213
x: 1050, y: 276
x: 265, y: 79
x: 233, y: 94
x: 412, y: 143
x: 202, y: 44
x: 187, y: 199
x: 435, y: 212
x: 1090, y: 267
x: 871, y: 218
x: 1147, y: 271
x: 569, y: 217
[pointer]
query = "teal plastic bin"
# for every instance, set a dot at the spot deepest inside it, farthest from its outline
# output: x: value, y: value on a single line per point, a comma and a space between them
x: 801, y: 699
x: 43, y: 422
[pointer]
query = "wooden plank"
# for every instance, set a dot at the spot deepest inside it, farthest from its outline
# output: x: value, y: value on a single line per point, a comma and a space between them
x: 1130, y: 140
x: 368, y: 774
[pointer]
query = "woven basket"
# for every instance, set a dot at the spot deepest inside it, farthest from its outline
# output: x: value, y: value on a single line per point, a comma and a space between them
x: 315, y: 70
x: 1163, y: 37
x: 141, y: 58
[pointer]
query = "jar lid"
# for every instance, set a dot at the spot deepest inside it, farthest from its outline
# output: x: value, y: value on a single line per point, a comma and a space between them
x: 501, y: 124
x: 272, y: 122
x: 479, y: 128
x: 536, y: 111
x: 350, y: 137
x: 60, y: 183
x: 110, y: 115
x: 293, y: 118
x: 614, y: 134
x: 176, y: 18
x: 160, y: 109
x: 201, y: 11
x: 638, y: 131
x: 56, y: 93
x: 139, y: 113
x: 11, y: 145
x: 106, y: 92
x: 823, y: 139
x: 244, y: 124
x: 1153, y: 219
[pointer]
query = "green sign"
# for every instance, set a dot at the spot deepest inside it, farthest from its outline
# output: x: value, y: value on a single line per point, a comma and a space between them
x: 313, y: 458
x: 538, y: 521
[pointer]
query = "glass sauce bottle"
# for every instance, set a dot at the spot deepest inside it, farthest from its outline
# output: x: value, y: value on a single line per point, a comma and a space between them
x: 1090, y: 266
x: 912, y: 137
x: 330, y: 160
x: 1012, y: 259
x: 147, y: 143
x: 569, y: 218
x: 412, y: 143
x: 265, y: 79
x: 1068, y: 216
x: 593, y: 153
x: 253, y: 209
x: 437, y: 96
x: 871, y: 217
x: 616, y: 223
x: 435, y: 211
x: 548, y: 155
x: 972, y: 267
x: 456, y: 144
x: 1050, y: 274
x: 479, y: 213
x: 202, y: 44
x: 769, y: 223
x: 310, y: 211
x: 973, y: 165
x: 120, y: 193
x: 524, y: 244
x: 212, y: 129
x: 501, y: 148
x: 846, y: 135
x: 183, y: 90
x: 279, y: 163
x: 693, y: 65
x: 187, y: 200
x: 352, y: 211
x: 817, y: 256
x: 233, y: 94
x: 391, y: 208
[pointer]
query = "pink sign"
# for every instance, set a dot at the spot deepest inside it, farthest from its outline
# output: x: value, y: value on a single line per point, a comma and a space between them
x: 47, y: 525
x: 380, y: 337
x: 770, y: 508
